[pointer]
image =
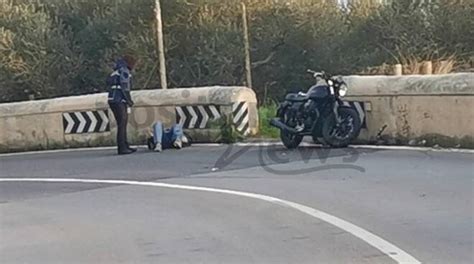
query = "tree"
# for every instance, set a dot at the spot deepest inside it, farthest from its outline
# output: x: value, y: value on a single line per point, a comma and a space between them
x: 37, y: 59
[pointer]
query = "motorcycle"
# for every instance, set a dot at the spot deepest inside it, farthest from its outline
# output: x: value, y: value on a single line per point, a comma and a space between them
x: 320, y: 113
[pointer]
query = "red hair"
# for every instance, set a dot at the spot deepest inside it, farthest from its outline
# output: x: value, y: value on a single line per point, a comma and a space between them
x: 130, y: 60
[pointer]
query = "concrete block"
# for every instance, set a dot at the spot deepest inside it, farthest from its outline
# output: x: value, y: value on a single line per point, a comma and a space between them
x: 432, y: 109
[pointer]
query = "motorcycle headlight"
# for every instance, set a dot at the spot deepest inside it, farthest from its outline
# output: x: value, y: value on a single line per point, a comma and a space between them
x: 342, y: 90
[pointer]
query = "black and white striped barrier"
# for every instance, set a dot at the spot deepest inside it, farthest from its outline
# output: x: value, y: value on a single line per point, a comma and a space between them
x: 198, y: 116
x: 86, y: 122
x: 240, y: 112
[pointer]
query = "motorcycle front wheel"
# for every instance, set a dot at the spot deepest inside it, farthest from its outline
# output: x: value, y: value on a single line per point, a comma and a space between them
x: 339, y: 135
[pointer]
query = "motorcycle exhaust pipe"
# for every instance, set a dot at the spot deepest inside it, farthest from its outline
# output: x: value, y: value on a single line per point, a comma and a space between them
x: 278, y: 124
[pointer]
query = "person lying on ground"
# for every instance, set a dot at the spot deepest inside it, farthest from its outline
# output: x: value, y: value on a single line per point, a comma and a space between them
x: 167, y: 138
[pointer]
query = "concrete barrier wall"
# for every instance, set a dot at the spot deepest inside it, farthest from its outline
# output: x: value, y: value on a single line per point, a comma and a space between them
x: 82, y: 121
x: 416, y: 110
x: 419, y: 110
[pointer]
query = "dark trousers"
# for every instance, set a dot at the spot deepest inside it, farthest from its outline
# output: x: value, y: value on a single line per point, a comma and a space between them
x: 121, y: 116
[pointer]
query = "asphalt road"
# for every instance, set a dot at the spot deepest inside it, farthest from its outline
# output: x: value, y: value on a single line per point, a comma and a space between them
x: 419, y: 201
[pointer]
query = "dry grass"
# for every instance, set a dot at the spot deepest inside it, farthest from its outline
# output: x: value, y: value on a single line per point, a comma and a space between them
x: 413, y: 65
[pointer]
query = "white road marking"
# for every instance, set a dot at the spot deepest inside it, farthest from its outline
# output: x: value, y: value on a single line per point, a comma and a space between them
x: 252, y: 144
x: 381, y: 147
x: 55, y: 151
x: 208, y: 144
x: 447, y: 150
x: 377, y: 242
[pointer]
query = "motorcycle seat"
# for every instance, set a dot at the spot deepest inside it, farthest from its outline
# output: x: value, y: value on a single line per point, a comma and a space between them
x: 293, y: 97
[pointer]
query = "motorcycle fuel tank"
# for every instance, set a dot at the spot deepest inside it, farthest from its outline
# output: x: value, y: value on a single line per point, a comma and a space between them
x: 318, y: 92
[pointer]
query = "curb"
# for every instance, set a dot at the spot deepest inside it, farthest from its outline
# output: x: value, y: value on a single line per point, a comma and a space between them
x: 251, y: 144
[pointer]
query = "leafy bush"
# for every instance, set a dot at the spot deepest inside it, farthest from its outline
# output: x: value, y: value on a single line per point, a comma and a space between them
x: 51, y: 48
x: 266, y: 113
x: 34, y: 49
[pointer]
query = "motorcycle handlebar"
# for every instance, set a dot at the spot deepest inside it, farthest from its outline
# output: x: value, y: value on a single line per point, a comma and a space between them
x: 317, y: 74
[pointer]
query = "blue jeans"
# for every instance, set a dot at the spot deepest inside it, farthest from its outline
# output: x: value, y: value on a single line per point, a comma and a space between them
x: 166, y: 137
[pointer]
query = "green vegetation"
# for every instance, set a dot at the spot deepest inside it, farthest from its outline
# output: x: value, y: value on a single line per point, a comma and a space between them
x: 265, y: 114
x: 229, y: 134
x: 52, y: 48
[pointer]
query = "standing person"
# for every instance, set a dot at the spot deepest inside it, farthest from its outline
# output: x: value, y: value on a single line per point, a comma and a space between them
x: 119, y: 99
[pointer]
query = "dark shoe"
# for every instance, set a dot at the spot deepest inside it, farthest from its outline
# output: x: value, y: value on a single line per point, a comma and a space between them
x: 132, y: 149
x: 125, y: 152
